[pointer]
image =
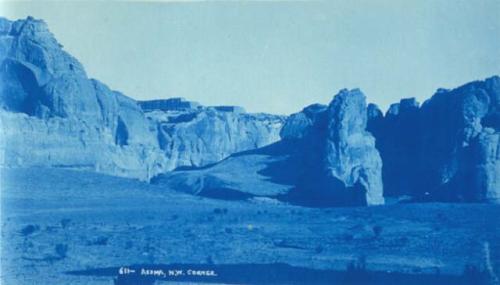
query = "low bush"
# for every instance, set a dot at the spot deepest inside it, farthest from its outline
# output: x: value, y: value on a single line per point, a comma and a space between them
x: 61, y: 250
x: 29, y: 229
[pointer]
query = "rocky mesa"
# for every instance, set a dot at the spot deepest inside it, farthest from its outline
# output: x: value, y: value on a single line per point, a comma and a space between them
x: 54, y: 115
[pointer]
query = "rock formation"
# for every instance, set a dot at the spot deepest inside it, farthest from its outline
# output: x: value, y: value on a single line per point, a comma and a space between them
x: 350, y: 152
x: 204, y: 135
x: 396, y: 142
x: 56, y: 116
x: 52, y: 114
x: 340, y: 160
x: 326, y: 158
x: 445, y: 150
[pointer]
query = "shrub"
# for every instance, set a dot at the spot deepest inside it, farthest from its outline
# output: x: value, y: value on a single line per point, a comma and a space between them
x: 210, y: 260
x: 65, y: 223
x: 101, y: 241
x: 29, y: 229
x: 348, y: 237
x: 319, y: 249
x: 61, y: 250
x: 98, y: 241
x: 377, y: 230
x: 358, y: 265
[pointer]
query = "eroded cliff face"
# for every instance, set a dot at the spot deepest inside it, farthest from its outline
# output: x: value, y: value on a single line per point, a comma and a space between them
x: 447, y: 149
x: 396, y: 140
x: 54, y: 115
x: 326, y: 158
x: 350, y: 152
x: 340, y: 161
x: 204, y: 135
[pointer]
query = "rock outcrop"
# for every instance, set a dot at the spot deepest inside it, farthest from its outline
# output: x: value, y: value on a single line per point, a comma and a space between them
x: 326, y: 158
x: 340, y: 160
x: 52, y: 114
x: 445, y: 150
x: 205, y: 135
x: 397, y: 144
x: 299, y: 124
x: 350, y: 150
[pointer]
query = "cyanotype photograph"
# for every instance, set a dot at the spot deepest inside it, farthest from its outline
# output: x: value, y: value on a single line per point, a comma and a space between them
x: 250, y: 142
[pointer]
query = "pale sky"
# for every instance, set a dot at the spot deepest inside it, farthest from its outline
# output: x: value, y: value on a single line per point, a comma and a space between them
x: 276, y: 56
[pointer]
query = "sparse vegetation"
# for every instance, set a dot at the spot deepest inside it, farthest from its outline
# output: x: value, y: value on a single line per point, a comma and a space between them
x: 210, y: 260
x: 61, y: 250
x: 65, y: 223
x: 377, y: 231
x: 348, y: 237
x: 319, y: 249
x: 220, y: 211
x: 29, y: 229
x: 313, y: 239
x: 357, y: 266
x: 102, y: 240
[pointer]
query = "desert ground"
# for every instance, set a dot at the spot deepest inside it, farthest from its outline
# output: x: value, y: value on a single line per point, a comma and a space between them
x: 76, y: 227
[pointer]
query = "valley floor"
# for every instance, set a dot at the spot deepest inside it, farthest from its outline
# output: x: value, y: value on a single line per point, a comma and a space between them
x: 55, y: 221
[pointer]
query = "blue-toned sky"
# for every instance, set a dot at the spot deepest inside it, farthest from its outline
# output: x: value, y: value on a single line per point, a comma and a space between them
x: 276, y: 56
